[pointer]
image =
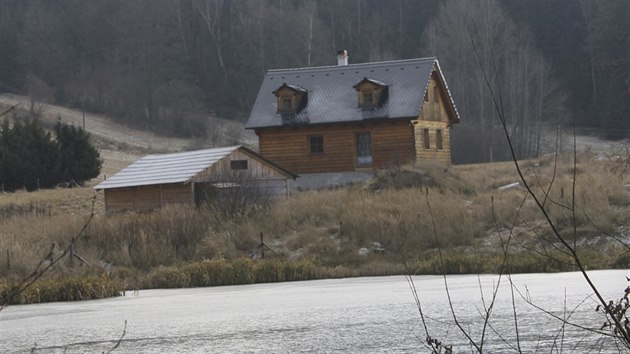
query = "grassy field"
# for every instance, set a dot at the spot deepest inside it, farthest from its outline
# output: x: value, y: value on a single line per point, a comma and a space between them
x: 392, y: 224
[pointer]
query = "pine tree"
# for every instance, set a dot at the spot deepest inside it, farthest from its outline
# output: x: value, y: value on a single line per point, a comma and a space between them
x: 79, y: 160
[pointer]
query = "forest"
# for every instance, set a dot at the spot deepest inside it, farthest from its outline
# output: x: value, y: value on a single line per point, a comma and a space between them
x: 169, y: 65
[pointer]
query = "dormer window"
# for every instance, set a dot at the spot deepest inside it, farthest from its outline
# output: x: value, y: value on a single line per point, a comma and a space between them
x: 371, y: 93
x: 291, y: 98
x: 287, y: 103
x: 368, y: 100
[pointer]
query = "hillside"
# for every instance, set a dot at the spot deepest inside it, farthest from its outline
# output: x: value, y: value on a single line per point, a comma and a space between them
x: 120, y: 145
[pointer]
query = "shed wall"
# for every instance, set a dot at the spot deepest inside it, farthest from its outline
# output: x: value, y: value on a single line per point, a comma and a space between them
x: 146, y: 197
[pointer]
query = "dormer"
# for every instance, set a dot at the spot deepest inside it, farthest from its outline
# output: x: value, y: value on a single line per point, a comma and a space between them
x: 371, y: 93
x: 291, y: 99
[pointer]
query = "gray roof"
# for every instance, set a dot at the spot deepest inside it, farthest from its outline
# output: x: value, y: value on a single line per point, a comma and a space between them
x: 167, y: 168
x: 332, y: 98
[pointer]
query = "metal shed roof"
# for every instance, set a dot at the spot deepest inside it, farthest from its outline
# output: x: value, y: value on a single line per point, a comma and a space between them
x: 332, y: 98
x: 177, y: 167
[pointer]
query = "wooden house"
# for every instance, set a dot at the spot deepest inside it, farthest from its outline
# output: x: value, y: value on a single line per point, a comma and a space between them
x: 357, y: 117
x: 190, y: 177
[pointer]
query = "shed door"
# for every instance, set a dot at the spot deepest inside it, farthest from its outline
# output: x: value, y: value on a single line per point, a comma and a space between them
x: 364, y: 149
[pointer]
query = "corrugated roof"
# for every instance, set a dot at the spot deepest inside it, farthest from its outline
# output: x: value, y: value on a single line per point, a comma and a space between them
x: 332, y: 98
x: 177, y: 167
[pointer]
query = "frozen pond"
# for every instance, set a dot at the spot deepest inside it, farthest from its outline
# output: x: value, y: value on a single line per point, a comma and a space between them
x: 363, y: 315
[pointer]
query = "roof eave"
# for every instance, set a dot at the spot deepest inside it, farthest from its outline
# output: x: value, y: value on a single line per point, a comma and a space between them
x: 371, y: 120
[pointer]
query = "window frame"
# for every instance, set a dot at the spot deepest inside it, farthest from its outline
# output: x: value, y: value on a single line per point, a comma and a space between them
x: 368, y: 94
x: 426, y: 138
x: 316, y: 147
x: 284, y: 99
x: 356, y: 138
x: 439, y: 144
x: 239, y: 165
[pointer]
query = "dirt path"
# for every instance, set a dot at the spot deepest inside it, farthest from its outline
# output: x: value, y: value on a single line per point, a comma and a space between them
x: 583, y: 143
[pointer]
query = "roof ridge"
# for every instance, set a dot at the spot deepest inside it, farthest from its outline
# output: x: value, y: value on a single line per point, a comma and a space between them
x: 351, y: 66
x: 233, y: 147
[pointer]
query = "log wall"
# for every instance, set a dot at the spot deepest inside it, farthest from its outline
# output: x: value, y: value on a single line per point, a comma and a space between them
x: 433, y: 153
x: 392, y: 144
x: 146, y: 197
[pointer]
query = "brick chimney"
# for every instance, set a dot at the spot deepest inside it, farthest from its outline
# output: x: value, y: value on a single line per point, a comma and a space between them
x: 342, y: 58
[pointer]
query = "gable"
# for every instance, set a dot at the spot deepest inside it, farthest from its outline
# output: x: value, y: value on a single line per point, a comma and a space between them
x: 437, y: 101
x: 332, y: 97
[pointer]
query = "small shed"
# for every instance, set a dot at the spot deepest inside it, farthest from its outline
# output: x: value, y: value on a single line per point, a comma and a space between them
x: 190, y: 177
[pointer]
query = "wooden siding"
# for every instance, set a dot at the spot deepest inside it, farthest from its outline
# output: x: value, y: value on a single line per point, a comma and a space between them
x: 432, y: 153
x: 392, y: 144
x: 146, y: 197
x: 256, y: 169
x: 434, y: 117
x: 437, y: 107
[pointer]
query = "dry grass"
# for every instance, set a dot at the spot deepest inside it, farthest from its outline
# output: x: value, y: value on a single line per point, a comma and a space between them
x: 388, y: 217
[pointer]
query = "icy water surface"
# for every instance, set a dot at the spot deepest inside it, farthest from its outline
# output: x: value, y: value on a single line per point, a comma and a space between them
x: 359, y: 315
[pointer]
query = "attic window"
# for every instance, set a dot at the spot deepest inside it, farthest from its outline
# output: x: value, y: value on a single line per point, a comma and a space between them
x: 287, y: 103
x: 291, y: 98
x: 238, y: 164
x: 371, y: 93
x: 368, y: 98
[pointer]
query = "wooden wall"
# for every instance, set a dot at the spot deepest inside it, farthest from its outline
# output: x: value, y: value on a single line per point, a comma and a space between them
x: 146, y: 197
x: 433, y: 117
x: 256, y: 168
x: 392, y: 144
x: 258, y: 174
x: 433, y: 153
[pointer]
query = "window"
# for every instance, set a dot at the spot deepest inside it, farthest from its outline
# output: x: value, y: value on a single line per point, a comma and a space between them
x: 287, y: 103
x: 238, y: 164
x: 371, y: 93
x: 426, y: 96
x: 425, y: 137
x: 290, y: 99
x: 438, y: 139
x: 364, y: 149
x: 436, y: 107
x: 316, y: 144
x: 368, y: 99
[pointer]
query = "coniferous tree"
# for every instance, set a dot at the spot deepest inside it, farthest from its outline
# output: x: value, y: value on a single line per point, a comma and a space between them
x: 30, y: 158
x: 79, y: 160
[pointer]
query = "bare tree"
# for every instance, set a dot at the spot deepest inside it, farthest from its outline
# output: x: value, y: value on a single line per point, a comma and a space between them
x: 531, y: 95
x: 210, y: 11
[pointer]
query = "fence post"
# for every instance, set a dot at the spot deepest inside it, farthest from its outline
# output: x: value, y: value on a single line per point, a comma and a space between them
x: 71, y: 255
x: 262, y: 246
